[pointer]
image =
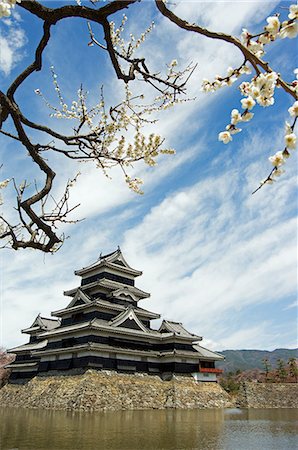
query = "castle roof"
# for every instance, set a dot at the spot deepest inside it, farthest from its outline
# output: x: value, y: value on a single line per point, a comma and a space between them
x: 29, y: 347
x: 42, y: 324
x: 104, y: 325
x: 105, y: 305
x: 128, y: 315
x: 204, y: 353
x: 178, y: 329
x: 114, y: 260
x: 107, y: 285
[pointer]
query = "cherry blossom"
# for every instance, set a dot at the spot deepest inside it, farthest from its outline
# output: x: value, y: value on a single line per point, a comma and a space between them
x: 277, y: 160
x: 225, y: 137
x: 6, y: 6
x: 290, y: 140
x: 293, y: 110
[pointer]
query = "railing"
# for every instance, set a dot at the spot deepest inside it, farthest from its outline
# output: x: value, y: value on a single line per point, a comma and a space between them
x: 210, y: 370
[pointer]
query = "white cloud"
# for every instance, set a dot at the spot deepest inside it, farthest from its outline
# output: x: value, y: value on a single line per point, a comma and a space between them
x: 208, y: 252
x: 12, y: 40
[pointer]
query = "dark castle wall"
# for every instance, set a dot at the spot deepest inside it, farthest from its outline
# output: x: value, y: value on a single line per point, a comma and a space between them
x: 117, y: 364
x: 119, y: 342
x: 108, y: 276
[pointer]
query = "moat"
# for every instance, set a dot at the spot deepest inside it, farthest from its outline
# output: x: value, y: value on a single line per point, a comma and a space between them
x: 221, y: 429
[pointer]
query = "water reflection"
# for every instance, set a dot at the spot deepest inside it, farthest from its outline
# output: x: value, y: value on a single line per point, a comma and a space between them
x: 148, y: 430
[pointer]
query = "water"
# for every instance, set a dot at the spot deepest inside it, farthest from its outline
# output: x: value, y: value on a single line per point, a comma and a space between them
x: 149, y: 430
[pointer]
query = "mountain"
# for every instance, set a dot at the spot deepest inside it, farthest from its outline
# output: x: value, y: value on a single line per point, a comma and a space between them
x: 252, y: 359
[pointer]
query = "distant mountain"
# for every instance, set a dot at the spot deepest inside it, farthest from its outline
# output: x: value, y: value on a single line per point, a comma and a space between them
x: 252, y: 359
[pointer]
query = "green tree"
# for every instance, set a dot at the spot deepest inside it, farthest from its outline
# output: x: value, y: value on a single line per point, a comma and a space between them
x: 267, y: 367
x: 281, y: 370
x: 293, y: 368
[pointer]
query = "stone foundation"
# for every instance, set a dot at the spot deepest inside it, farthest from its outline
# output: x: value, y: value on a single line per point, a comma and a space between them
x: 268, y: 395
x: 104, y: 390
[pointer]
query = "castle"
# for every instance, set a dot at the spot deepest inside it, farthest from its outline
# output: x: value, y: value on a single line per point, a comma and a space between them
x: 103, y: 327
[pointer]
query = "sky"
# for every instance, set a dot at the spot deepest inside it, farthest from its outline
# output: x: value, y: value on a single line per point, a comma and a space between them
x: 213, y: 256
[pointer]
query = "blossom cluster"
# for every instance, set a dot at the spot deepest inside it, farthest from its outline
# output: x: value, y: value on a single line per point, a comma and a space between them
x: 255, y: 44
x: 280, y: 157
x: 126, y: 49
x: 134, y: 184
x: 6, y: 6
x: 261, y: 88
x: 3, y: 184
x: 228, y: 80
x: 113, y: 138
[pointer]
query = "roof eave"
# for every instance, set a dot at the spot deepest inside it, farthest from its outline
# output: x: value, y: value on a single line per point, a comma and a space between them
x: 30, y: 330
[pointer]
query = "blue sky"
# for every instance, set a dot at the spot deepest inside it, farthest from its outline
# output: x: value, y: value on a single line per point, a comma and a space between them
x: 214, y: 257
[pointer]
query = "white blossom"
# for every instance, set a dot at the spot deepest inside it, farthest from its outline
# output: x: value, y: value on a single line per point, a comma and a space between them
x: 235, y: 116
x: 265, y: 101
x: 289, y: 30
x: 244, y: 88
x: 4, y: 183
x: 265, y: 38
x: 245, y: 36
x: 6, y: 7
x: 247, y: 116
x: 290, y: 140
x: 277, y: 160
x: 232, y: 129
x: 256, y: 48
x: 293, y: 12
x: 245, y: 69
x: 255, y: 91
x: 273, y: 25
x: 288, y: 128
x: 293, y: 110
x: 225, y: 137
x: 206, y: 86
x: 278, y: 172
x: 248, y: 102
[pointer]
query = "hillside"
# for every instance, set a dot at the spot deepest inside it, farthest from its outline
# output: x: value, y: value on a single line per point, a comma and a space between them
x: 252, y: 359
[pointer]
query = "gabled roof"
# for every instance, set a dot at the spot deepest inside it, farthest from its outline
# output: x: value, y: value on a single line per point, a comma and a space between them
x: 108, y: 285
x: 42, y: 324
x: 104, y: 325
x: 178, y: 329
x: 113, y: 260
x: 207, y: 354
x: 130, y: 315
x: 106, y: 305
x: 124, y: 292
x: 80, y: 295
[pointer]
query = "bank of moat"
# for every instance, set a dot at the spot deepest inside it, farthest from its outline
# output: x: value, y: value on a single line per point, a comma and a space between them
x: 104, y: 328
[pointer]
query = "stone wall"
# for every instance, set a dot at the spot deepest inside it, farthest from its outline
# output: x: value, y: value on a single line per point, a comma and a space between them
x: 268, y: 395
x: 106, y: 390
